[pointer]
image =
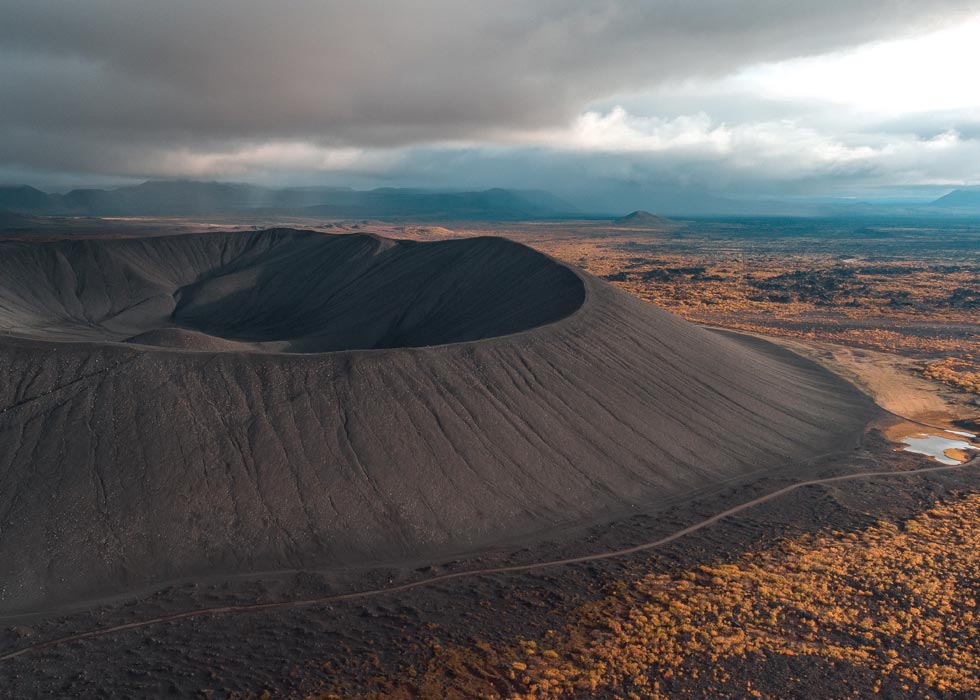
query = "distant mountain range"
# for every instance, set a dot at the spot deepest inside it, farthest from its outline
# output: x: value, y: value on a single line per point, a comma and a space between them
x: 177, y: 198
x: 191, y: 198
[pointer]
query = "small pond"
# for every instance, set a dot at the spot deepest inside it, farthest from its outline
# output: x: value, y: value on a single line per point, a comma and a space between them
x: 935, y: 447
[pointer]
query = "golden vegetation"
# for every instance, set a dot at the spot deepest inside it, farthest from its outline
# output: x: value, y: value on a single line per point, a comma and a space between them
x: 902, y: 308
x: 962, y: 374
x: 898, y: 602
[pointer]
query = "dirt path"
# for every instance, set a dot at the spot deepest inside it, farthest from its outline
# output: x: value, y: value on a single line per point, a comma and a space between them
x: 359, y: 595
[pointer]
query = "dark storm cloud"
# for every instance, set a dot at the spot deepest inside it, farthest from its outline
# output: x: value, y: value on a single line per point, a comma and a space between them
x: 110, y: 85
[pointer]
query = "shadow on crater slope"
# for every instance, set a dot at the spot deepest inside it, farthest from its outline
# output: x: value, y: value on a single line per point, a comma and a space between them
x: 127, y: 461
x: 280, y: 291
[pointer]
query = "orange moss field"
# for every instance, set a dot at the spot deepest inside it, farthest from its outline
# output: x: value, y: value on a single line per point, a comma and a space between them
x: 898, y: 601
x: 962, y: 374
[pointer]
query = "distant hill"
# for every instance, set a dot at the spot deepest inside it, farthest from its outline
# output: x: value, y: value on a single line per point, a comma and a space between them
x: 23, y: 198
x: 960, y: 199
x: 183, y: 197
x: 642, y: 219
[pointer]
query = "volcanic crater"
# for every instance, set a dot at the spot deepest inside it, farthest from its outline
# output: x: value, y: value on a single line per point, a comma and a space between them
x: 234, y: 403
x: 280, y: 291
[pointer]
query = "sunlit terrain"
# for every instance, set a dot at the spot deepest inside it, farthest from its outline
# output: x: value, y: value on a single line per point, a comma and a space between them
x: 893, y: 605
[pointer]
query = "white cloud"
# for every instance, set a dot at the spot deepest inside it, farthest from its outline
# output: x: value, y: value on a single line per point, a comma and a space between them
x: 711, y: 152
x: 283, y: 156
x: 746, y: 145
x: 932, y: 72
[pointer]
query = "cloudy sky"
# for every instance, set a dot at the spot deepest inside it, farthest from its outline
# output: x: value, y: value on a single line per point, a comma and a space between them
x: 739, y: 98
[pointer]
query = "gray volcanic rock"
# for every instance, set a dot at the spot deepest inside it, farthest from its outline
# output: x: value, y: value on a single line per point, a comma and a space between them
x: 280, y: 290
x: 234, y: 403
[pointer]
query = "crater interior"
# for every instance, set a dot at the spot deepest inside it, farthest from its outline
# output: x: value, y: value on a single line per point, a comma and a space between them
x: 279, y: 291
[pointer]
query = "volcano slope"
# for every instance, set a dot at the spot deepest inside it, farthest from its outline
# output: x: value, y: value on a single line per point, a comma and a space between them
x: 220, y: 404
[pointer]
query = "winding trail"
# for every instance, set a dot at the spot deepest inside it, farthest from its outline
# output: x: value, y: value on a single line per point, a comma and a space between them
x: 359, y: 595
